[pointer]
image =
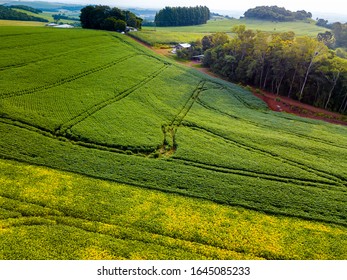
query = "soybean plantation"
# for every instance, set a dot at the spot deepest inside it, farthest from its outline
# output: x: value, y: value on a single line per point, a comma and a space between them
x: 107, y: 143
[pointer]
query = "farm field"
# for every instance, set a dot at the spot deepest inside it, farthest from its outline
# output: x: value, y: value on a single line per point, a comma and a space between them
x: 170, y: 35
x: 49, y: 16
x: 92, y: 124
x: 106, y: 220
x: 4, y: 22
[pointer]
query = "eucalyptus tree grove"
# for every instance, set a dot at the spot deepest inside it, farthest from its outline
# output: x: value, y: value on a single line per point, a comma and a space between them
x: 302, y: 68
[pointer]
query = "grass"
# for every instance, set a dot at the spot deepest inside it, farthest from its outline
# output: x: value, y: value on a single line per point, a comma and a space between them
x: 99, y: 104
x: 173, y: 35
x: 67, y: 216
x: 4, y: 22
x: 40, y: 15
x: 48, y: 16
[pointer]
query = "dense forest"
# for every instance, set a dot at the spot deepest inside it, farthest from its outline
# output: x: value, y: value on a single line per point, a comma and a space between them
x: 106, y: 18
x: 10, y: 14
x: 182, y: 16
x: 302, y: 68
x: 275, y: 13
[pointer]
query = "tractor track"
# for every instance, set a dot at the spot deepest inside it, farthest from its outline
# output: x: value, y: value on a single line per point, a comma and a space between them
x: 68, y: 79
x: 323, y: 174
x: 300, y: 135
x: 119, y: 96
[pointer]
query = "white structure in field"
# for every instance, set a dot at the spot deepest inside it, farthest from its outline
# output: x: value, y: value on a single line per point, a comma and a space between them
x: 180, y: 47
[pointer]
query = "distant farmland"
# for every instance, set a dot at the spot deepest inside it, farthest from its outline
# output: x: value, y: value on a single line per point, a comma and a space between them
x: 200, y: 162
x: 170, y: 35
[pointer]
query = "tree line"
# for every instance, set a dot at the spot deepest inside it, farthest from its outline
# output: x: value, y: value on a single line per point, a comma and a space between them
x: 107, y: 18
x: 10, y: 14
x: 182, y: 16
x: 337, y: 37
x: 275, y: 13
x: 26, y: 8
x: 301, y: 68
x: 58, y: 17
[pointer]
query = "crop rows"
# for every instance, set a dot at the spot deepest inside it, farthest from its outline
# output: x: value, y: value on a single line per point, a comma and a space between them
x: 146, y: 222
x: 32, y: 41
x: 31, y: 214
x: 263, y: 175
x: 119, y: 96
x: 220, y: 145
x: 332, y: 179
x: 268, y: 196
x: 266, y: 126
x: 232, y: 124
x: 176, y: 122
x: 64, y: 80
x: 26, y: 59
x: 46, y: 50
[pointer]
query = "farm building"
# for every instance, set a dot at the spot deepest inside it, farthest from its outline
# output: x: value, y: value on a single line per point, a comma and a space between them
x: 181, y: 47
x: 51, y: 24
x: 63, y: 26
x: 130, y: 29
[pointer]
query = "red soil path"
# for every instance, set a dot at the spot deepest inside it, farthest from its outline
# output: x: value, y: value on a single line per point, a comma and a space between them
x: 285, y: 104
x: 274, y: 102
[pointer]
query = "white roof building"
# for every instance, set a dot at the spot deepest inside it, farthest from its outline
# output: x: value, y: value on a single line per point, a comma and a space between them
x: 63, y: 26
x: 181, y: 47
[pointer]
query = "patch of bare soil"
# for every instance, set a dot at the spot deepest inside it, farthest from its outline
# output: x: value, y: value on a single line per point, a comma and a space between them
x: 285, y: 104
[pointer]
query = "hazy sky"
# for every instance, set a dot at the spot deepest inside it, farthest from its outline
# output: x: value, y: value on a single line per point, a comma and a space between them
x: 330, y: 6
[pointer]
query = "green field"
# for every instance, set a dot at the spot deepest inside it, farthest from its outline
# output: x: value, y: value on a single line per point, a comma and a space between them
x: 236, y: 180
x: 171, y: 35
x: 49, y: 214
x: 4, y: 22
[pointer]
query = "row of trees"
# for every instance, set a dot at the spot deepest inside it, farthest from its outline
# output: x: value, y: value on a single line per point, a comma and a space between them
x: 112, y: 19
x: 10, y: 14
x: 58, y: 17
x: 338, y: 33
x: 26, y: 8
x: 182, y: 16
x: 275, y: 13
x: 298, y: 67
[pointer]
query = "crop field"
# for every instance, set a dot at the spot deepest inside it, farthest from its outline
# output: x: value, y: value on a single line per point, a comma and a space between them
x: 49, y: 214
x: 173, y: 35
x: 116, y: 147
x: 7, y: 23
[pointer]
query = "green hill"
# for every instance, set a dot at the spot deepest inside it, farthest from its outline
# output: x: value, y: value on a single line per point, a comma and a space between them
x: 100, y: 105
x: 15, y: 14
x: 169, y: 35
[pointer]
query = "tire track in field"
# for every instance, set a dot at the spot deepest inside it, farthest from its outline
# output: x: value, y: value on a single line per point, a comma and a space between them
x: 55, y: 215
x: 177, y: 120
x: 334, y: 179
x: 260, y: 175
x: 171, y: 128
x: 12, y: 66
x: 21, y: 34
x: 119, y: 96
x: 143, y: 151
x: 60, y: 41
x: 68, y: 79
x: 146, y: 151
x: 235, y: 95
x: 259, y: 124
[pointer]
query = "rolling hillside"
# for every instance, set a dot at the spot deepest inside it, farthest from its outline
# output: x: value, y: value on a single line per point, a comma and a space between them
x: 170, y: 35
x: 132, y: 128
